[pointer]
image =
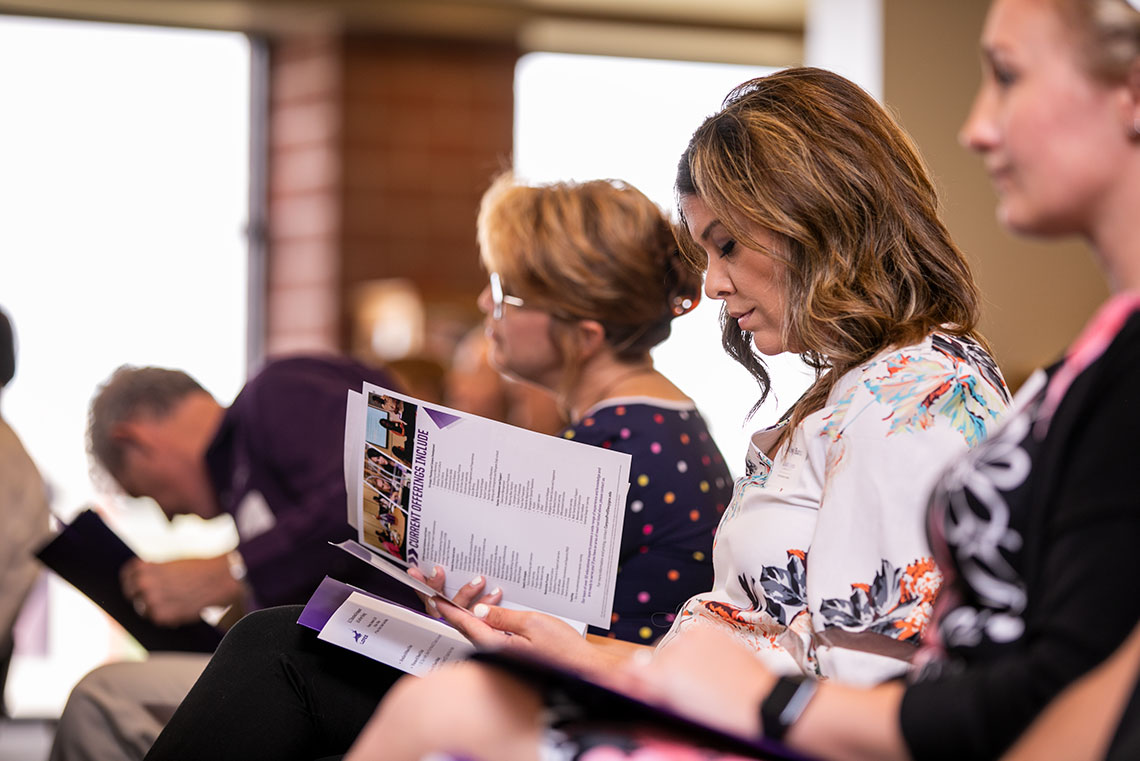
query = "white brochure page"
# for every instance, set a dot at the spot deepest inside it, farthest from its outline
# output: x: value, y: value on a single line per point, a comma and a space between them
x: 537, y: 515
x: 354, y: 460
x: 394, y: 635
x: 381, y: 562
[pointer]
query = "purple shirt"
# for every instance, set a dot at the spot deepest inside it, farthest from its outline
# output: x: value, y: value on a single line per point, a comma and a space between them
x: 283, y: 438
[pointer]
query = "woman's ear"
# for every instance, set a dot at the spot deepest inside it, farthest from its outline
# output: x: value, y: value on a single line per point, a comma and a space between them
x: 591, y: 337
x: 1132, y: 85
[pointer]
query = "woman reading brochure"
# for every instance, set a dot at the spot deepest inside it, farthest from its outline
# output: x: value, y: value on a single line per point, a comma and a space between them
x: 817, y: 226
x: 1037, y: 527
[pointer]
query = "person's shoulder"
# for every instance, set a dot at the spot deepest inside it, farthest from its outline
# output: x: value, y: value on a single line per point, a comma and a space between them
x: 622, y: 423
x: 1110, y: 378
x: 318, y: 366
x: 644, y: 413
x: 1125, y: 346
x: 944, y: 377
x: 939, y: 354
x: 303, y: 386
x: 316, y: 371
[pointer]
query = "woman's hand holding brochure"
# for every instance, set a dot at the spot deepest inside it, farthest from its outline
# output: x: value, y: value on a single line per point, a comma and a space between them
x: 469, y: 593
x: 531, y: 633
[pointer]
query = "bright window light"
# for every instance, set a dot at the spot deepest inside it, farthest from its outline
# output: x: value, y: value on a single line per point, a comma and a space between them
x: 124, y: 185
x: 587, y: 117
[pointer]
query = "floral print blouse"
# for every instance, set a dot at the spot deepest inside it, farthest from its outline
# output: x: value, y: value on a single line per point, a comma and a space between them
x: 821, y: 560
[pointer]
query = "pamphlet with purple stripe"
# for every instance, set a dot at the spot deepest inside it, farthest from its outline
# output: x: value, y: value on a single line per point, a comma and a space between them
x: 536, y: 515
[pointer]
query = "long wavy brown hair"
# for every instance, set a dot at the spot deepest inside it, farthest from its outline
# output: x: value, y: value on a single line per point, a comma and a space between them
x: 812, y: 158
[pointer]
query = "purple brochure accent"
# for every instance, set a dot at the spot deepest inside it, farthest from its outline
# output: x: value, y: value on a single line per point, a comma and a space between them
x: 329, y: 596
x: 441, y: 418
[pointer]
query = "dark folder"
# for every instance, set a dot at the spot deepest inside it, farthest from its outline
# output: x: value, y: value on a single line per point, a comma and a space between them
x: 89, y: 555
x: 586, y: 702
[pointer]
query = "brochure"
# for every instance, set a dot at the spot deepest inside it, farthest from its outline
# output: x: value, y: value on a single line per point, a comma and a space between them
x: 361, y: 621
x: 538, y: 516
x: 386, y: 632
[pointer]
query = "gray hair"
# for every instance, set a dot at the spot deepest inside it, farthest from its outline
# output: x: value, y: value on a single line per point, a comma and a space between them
x: 130, y: 393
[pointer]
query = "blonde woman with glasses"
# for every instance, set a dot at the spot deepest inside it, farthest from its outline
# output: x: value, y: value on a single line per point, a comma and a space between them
x: 584, y: 279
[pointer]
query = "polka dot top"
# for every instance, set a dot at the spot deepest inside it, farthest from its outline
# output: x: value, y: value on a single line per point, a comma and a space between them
x: 679, y: 486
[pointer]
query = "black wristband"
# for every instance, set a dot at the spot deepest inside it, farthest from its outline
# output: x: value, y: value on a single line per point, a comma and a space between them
x: 784, y: 704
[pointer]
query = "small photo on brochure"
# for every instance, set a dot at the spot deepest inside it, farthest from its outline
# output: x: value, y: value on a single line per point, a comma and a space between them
x: 389, y: 433
x: 391, y: 426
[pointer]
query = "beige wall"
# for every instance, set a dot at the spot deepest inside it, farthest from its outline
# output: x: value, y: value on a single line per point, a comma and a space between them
x: 1037, y: 294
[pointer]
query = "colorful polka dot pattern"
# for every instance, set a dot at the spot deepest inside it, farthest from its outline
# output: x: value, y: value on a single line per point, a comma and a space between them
x: 678, y: 484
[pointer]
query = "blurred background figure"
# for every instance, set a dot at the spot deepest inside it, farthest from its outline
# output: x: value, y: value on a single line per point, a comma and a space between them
x: 24, y: 511
x: 422, y: 377
x: 273, y: 460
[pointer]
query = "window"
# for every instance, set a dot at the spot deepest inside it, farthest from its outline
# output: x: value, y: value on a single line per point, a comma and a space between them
x: 586, y: 117
x: 125, y: 193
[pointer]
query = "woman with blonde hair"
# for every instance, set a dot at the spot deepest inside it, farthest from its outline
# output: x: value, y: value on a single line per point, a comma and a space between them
x: 584, y: 279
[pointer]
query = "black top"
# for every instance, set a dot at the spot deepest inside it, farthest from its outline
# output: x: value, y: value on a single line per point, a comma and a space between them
x: 1038, y: 529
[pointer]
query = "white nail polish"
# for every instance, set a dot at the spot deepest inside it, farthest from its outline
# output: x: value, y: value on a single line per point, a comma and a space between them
x: 642, y: 657
x: 434, y: 572
x: 480, y: 611
x: 476, y: 582
x: 494, y: 592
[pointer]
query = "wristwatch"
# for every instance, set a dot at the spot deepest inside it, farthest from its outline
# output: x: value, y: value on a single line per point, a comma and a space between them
x: 785, y: 704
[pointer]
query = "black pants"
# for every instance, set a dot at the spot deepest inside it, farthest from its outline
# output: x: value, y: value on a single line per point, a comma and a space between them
x: 274, y: 691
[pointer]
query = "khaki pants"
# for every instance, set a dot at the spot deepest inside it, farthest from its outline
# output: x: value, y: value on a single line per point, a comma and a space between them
x: 116, y: 711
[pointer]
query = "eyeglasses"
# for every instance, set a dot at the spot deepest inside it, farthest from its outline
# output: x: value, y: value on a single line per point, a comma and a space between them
x: 499, y: 298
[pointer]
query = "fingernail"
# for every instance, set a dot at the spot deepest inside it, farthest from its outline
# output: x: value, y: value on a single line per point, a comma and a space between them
x: 476, y: 582
x: 434, y: 572
x: 495, y: 591
x: 480, y: 611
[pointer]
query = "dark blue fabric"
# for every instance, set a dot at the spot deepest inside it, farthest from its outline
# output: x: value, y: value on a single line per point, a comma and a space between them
x: 679, y: 487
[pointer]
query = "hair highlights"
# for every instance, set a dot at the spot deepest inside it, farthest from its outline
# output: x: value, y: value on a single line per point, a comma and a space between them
x: 810, y: 157
x: 597, y: 250
x: 1107, y: 34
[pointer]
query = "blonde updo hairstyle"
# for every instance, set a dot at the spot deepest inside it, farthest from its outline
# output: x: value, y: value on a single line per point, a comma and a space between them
x: 1107, y: 34
x: 597, y: 250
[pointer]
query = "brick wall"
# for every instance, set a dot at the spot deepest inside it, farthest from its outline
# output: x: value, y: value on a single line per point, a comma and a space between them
x: 303, y: 225
x: 380, y: 149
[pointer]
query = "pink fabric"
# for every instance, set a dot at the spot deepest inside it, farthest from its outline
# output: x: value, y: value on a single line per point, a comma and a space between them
x: 1094, y: 339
